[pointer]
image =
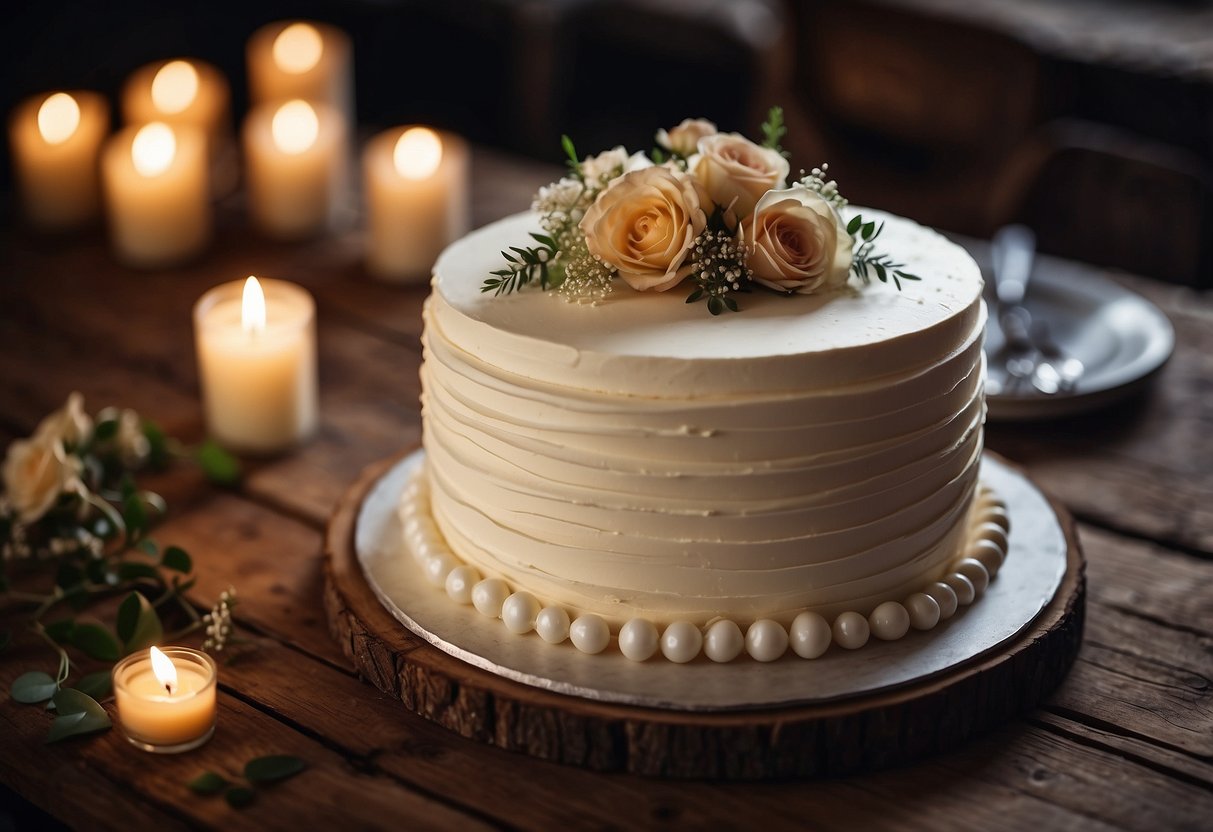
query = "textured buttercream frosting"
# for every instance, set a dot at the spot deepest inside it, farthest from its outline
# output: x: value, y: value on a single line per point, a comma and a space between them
x: 640, y: 458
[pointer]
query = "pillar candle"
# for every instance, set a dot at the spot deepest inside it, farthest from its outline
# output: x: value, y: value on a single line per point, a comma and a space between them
x: 56, y: 142
x: 295, y: 165
x: 416, y: 186
x: 186, y: 92
x: 166, y: 699
x: 256, y: 345
x: 302, y: 59
x: 157, y: 194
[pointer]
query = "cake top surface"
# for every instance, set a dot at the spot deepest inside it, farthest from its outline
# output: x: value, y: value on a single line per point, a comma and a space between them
x: 779, y: 340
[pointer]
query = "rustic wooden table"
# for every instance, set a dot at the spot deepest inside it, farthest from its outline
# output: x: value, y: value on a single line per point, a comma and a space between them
x: 1127, y: 741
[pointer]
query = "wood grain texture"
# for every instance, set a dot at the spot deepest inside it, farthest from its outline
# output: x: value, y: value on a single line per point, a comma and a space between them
x: 864, y: 733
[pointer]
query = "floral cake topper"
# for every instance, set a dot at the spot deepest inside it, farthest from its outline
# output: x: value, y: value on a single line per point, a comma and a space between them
x: 709, y: 208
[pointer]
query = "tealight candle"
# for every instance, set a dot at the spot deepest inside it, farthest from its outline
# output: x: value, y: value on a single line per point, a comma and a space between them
x: 157, y: 194
x: 416, y: 184
x: 256, y: 344
x: 56, y: 141
x: 302, y: 59
x: 166, y: 698
x: 189, y: 93
x: 295, y: 158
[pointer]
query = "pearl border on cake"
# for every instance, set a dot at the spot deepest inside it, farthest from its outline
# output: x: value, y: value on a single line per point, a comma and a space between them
x: 720, y: 639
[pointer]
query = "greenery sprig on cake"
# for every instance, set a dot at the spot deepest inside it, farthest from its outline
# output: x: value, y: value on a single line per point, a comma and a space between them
x: 709, y: 208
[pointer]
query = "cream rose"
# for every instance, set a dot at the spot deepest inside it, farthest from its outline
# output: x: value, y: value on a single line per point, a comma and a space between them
x: 644, y: 224
x: 36, y: 472
x: 798, y: 242
x: 684, y: 138
x: 736, y: 172
x: 69, y: 424
x: 605, y: 165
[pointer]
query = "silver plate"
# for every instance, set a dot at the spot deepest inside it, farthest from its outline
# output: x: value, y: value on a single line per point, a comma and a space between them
x: 1121, y: 338
x: 1027, y: 582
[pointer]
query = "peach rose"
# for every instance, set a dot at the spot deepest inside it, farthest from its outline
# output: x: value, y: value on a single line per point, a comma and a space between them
x: 736, y: 172
x: 36, y: 472
x: 684, y: 138
x: 798, y: 242
x: 644, y: 224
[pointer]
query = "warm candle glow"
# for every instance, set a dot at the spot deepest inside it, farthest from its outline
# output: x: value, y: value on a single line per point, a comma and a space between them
x: 58, y: 118
x: 164, y: 670
x: 298, y: 48
x: 175, y: 87
x: 153, y: 149
x: 295, y: 127
x: 418, y: 153
x: 252, y: 307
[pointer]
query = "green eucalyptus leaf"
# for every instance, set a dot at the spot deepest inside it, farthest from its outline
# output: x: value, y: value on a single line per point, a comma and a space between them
x: 33, y: 687
x: 239, y: 797
x: 148, y: 629
x: 133, y: 570
x: 273, y: 768
x: 96, y: 642
x: 134, y: 514
x: 158, y: 452
x: 79, y: 714
x: 177, y: 559
x: 98, y: 685
x: 128, y: 615
x: 219, y: 466
x: 61, y: 631
x: 207, y: 783
x: 73, y: 701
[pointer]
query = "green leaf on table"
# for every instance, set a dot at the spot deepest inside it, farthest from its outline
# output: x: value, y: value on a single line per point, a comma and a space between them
x: 177, y: 559
x: 219, y: 466
x: 134, y: 512
x: 206, y: 783
x: 138, y: 624
x: 61, y: 631
x: 96, y: 642
x: 239, y: 797
x: 133, y: 570
x: 33, y: 687
x: 273, y: 768
x: 98, y: 685
x: 79, y: 714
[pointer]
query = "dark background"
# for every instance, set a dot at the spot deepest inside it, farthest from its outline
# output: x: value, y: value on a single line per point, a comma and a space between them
x: 1091, y: 120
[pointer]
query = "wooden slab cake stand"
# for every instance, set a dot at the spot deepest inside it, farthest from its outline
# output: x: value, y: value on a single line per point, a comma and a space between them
x: 864, y: 732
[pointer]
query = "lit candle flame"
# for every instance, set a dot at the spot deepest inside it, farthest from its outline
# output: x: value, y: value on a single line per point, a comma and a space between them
x: 164, y: 670
x: 58, y: 118
x: 252, y: 308
x: 295, y: 127
x: 175, y: 87
x: 153, y: 149
x: 298, y: 48
x: 418, y: 153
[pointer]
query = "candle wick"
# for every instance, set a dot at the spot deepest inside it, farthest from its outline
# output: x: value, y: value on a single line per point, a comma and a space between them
x: 168, y: 688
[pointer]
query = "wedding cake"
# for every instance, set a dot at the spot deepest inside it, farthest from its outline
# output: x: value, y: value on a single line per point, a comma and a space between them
x: 625, y: 469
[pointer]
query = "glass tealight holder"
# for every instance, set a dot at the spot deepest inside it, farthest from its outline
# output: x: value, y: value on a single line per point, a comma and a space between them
x: 163, y: 720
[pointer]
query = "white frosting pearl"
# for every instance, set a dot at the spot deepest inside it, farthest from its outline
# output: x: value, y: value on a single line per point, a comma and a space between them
x: 945, y: 596
x: 766, y: 640
x: 519, y: 612
x: 988, y: 554
x: 851, y: 630
x: 459, y: 583
x: 552, y: 624
x: 889, y: 621
x: 489, y: 595
x: 590, y: 634
x: 724, y: 641
x: 996, y: 514
x: 638, y: 639
x: 976, y: 573
x: 681, y: 642
x: 994, y: 532
x: 437, y: 567
x: 809, y: 635
x: 924, y: 610
x: 963, y: 587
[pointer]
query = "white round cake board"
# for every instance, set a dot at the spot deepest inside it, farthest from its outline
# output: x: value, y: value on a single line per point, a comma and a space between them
x: 1026, y: 583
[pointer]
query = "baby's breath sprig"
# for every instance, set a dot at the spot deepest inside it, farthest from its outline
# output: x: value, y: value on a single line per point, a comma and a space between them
x: 219, y: 622
x: 718, y: 269
x: 865, y: 263
x: 815, y: 180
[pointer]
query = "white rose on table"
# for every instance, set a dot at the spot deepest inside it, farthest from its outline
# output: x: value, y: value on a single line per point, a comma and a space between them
x: 644, y: 225
x: 69, y: 424
x: 605, y: 166
x: 36, y: 471
x: 736, y: 172
x: 798, y: 242
x: 684, y: 139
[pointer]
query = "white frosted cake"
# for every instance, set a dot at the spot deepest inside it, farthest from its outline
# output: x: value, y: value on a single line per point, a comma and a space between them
x: 638, y: 473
